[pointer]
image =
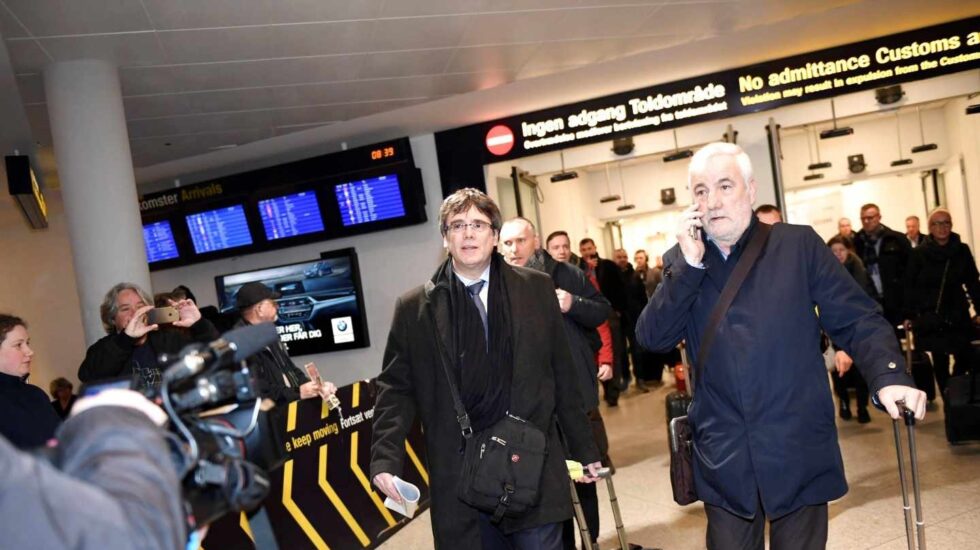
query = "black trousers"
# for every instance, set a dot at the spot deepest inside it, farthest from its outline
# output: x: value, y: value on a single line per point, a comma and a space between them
x: 803, y: 529
x: 851, y: 379
x: 542, y: 537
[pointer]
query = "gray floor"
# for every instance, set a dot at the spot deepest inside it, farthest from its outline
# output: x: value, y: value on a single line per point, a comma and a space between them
x: 869, y: 516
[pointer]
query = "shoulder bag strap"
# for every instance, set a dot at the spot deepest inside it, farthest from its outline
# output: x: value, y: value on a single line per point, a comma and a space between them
x: 462, y: 417
x: 742, y: 269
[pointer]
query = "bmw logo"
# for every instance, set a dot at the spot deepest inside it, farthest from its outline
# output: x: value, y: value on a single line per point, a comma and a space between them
x: 342, y: 326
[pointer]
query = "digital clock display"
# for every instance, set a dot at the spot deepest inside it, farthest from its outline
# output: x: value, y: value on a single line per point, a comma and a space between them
x: 382, y: 153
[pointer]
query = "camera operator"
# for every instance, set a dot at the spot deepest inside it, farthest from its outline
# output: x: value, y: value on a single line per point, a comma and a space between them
x: 110, y: 482
x: 132, y: 347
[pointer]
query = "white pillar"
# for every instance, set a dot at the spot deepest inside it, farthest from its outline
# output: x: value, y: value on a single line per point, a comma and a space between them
x: 95, y: 167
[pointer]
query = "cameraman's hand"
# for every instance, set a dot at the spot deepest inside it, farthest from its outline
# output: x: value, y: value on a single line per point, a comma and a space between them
x: 121, y: 398
x: 386, y: 483
x: 136, y: 328
x: 309, y: 390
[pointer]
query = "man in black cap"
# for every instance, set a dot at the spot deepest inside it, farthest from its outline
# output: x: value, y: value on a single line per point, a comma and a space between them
x: 279, y: 378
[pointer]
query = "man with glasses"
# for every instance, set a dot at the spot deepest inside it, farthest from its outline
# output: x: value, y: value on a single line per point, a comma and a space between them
x: 885, y: 254
x: 498, y: 331
x: 132, y: 345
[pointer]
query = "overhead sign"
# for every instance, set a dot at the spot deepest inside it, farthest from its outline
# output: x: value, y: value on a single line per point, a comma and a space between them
x: 908, y: 56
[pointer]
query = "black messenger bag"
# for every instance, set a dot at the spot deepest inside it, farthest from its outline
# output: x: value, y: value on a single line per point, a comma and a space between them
x: 502, y: 467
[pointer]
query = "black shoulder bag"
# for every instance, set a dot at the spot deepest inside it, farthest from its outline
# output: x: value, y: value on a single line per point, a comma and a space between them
x: 681, y: 436
x: 502, y: 465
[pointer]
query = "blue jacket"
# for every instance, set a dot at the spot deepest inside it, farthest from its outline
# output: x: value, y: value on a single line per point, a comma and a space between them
x: 763, y: 415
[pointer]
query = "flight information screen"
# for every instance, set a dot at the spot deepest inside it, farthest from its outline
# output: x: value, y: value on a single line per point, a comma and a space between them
x: 219, y: 229
x: 158, y: 239
x: 290, y: 215
x: 370, y: 200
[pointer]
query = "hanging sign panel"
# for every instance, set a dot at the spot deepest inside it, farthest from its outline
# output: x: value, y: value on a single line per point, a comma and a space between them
x: 903, y: 57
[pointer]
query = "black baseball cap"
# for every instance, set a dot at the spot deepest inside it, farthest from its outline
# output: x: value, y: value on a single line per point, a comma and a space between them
x: 253, y: 293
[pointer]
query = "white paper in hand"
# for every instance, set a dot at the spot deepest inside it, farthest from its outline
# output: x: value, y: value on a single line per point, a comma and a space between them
x: 409, y: 493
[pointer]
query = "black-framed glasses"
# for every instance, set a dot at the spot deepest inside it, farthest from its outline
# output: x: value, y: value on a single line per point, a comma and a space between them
x: 477, y: 226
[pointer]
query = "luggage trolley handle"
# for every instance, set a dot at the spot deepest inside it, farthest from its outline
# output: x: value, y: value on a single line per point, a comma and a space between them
x: 917, y: 533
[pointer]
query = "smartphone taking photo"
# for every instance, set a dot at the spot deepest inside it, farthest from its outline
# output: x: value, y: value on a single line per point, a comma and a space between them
x: 162, y: 315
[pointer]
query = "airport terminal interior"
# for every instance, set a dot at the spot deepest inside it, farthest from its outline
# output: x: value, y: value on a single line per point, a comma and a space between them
x: 308, y: 146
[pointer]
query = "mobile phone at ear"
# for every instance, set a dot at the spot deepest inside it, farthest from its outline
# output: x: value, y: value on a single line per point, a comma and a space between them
x: 694, y: 233
x: 162, y: 315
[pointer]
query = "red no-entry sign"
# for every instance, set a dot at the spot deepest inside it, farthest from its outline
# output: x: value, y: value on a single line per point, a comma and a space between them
x: 500, y: 140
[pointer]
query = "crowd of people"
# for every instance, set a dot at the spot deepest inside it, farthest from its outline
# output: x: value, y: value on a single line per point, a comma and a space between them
x: 512, y: 327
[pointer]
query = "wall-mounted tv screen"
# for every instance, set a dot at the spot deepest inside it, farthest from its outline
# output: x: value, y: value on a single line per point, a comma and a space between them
x: 219, y: 229
x: 158, y: 239
x: 370, y: 200
x: 290, y: 215
x: 322, y: 305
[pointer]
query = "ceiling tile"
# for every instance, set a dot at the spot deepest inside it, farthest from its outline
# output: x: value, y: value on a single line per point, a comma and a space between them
x: 154, y: 106
x: 31, y: 87
x: 491, y: 58
x: 510, y: 28
x: 147, y: 80
x: 273, y: 72
x: 194, y: 124
x: 389, y: 64
x: 150, y: 151
x: 67, y: 17
x: 123, y: 49
x: 27, y: 56
x: 270, y: 42
x: 283, y: 130
x: 545, y: 26
x: 417, y: 33
x: 195, y: 14
x: 9, y: 26
x: 543, y: 70
x: 395, y: 8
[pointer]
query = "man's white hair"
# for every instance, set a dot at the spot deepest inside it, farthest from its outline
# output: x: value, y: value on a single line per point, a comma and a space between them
x: 699, y: 161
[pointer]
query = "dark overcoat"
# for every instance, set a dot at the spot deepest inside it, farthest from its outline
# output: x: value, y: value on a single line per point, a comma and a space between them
x: 412, y: 383
x: 763, y: 415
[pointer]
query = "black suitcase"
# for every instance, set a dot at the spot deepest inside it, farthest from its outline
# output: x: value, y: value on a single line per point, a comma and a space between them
x: 962, y: 408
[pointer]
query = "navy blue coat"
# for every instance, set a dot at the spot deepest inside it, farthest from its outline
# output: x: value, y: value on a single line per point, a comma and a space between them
x: 763, y: 415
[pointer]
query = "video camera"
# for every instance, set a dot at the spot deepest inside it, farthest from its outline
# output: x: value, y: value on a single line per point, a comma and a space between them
x: 223, y: 438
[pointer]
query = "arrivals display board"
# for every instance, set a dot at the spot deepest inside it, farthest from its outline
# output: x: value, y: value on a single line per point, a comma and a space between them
x: 371, y: 188
x: 913, y: 55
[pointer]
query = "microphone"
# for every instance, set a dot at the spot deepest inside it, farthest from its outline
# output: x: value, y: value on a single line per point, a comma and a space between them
x: 233, y: 346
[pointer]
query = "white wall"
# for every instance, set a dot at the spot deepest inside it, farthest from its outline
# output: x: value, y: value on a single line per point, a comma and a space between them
x: 37, y: 283
x: 391, y: 263
x: 964, y: 134
x: 897, y: 196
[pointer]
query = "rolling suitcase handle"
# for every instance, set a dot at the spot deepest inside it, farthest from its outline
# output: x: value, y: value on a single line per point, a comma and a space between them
x: 919, y: 532
x: 580, y: 519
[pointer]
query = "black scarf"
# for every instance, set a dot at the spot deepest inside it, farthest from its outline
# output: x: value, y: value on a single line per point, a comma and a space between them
x: 870, y: 241
x: 484, y: 372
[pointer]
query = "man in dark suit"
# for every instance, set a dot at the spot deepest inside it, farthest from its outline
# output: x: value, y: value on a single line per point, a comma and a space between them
x: 606, y: 273
x: 885, y: 254
x: 499, y: 332
x: 765, y: 444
